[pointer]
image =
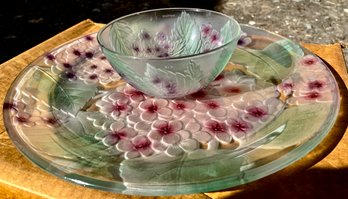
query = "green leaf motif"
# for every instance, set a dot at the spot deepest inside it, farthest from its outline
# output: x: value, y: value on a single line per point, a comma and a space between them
x: 119, y: 33
x: 277, y: 60
x: 221, y: 63
x: 226, y: 32
x: 71, y: 96
x: 189, y: 80
x: 185, y: 36
x: 127, y: 72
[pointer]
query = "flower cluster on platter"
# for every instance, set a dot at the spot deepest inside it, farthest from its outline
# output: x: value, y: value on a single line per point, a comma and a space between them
x: 231, y: 109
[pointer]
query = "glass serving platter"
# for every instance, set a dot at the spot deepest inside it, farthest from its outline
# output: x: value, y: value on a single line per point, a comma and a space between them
x: 72, y: 115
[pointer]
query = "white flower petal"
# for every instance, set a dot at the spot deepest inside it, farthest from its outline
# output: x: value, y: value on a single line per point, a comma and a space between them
x: 189, y: 145
x: 145, y: 104
x: 174, y: 150
x: 146, y: 152
x: 132, y: 119
x: 184, y: 134
x: 164, y: 111
x: 159, y: 123
x: 201, y: 108
x: 202, y: 136
x: 193, y: 127
x: 142, y: 126
x: 129, y: 132
x: 160, y: 102
x: 116, y: 96
x: 155, y: 135
x: 124, y: 145
x: 131, y: 154
x: 218, y: 112
x: 117, y: 125
x: 176, y: 126
x: 110, y: 140
x: 148, y: 116
x: 223, y: 137
x: 213, y: 144
x: 158, y: 146
x: 172, y: 138
x: 101, y: 134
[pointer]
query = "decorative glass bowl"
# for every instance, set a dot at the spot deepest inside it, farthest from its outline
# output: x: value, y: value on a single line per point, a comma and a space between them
x: 170, y: 53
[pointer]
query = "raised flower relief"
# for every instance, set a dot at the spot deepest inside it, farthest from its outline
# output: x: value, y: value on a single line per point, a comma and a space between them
x: 139, y: 146
x: 309, y: 61
x: 24, y: 119
x: 67, y: 58
x: 153, y: 108
x: 213, y: 134
x: 244, y: 40
x: 210, y: 37
x: 179, y: 107
x: 286, y: 87
x: 118, y: 131
x: 171, y: 138
x: 206, y: 30
x: 133, y: 94
x: 166, y: 131
x: 239, y: 127
x: 312, y: 88
x: 214, y: 107
x: 115, y: 105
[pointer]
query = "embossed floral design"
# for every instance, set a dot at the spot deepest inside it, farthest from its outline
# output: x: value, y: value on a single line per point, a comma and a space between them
x: 309, y: 60
x: 166, y: 131
x: 286, y: 87
x: 118, y: 131
x: 213, y: 107
x: 152, y: 108
x: 244, y: 40
x: 257, y: 111
x: 136, y: 147
x: 212, y: 133
x: 233, y: 83
x: 239, y: 127
x: 206, y: 29
x: 23, y: 118
x: 133, y: 94
x: 179, y: 107
x: 170, y: 137
x: 115, y: 105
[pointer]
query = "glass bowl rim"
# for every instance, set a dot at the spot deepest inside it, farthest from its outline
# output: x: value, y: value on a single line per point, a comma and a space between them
x: 103, y: 47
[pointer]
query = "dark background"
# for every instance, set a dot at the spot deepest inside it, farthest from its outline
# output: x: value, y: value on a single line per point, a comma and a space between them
x: 26, y: 23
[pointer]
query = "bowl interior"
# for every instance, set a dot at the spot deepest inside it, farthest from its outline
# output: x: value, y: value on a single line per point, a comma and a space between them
x: 166, y: 33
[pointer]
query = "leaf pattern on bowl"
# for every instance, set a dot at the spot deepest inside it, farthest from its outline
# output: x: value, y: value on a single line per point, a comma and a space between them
x: 171, y: 83
x: 185, y: 37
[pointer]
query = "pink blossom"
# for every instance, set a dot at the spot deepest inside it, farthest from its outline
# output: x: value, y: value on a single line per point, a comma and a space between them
x: 309, y: 60
x: 133, y: 94
x: 244, y: 40
x: 215, y: 37
x: 23, y: 118
x: 239, y: 127
x: 218, y: 130
x: 256, y: 113
x: 118, y: 131
x: 136, y: 147
x: 114, y: 105
x: 152, y: 108
x: 170, y: 137
x: 213, y: 107
x: 206, y: 29
x: 180, y: 106
x: 166, y: 131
